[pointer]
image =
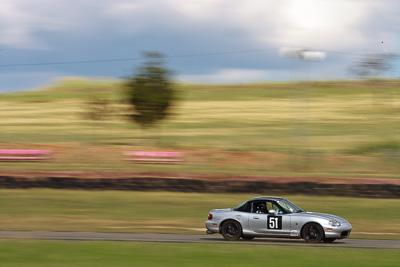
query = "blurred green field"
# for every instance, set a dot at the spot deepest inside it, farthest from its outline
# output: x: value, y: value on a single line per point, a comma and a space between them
x: 317, y: 128
x: 45, y: 253
x: 166, y: 212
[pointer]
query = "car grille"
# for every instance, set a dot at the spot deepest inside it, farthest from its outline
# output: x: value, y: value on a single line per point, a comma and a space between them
x: 345, y: 234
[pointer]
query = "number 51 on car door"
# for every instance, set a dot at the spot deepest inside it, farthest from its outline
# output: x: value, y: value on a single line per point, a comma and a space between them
x: 274, y: 222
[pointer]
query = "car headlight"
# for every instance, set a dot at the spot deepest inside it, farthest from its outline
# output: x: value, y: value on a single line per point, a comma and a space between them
x: 334, y: 223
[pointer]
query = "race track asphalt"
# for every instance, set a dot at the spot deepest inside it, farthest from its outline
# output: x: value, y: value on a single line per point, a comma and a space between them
x: 171, y: 238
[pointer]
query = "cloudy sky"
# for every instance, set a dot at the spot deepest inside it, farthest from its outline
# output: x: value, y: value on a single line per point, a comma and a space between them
x: 208, y: 41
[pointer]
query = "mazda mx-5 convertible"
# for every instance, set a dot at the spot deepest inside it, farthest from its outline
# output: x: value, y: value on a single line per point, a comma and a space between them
x: 276, y: 217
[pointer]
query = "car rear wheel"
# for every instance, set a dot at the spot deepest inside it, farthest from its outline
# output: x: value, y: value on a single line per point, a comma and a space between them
x: 231, y: 230
x: 313, y: 233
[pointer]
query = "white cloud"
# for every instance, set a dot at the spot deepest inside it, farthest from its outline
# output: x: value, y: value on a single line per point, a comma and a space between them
x: 122, y: 28
x: 202, y: 11
x: 23, y: 22
x: 326, y: 24
x: 308, y: 23
x: 15, y: 26
x: 323, y: 24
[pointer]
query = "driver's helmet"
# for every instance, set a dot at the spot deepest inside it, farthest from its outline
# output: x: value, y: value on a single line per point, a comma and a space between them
x: 261, y: 207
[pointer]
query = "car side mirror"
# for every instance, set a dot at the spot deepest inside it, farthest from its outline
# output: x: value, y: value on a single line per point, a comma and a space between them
x: 272, y: 211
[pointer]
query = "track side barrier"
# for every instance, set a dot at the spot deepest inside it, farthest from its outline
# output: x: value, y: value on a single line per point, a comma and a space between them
x: 153, y: 156
x: 23, y: 154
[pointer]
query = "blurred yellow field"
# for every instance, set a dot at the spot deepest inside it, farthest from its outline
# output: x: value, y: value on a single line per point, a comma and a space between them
x: 323, y: 128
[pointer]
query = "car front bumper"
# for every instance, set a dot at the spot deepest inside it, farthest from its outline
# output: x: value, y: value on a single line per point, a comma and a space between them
x: 340, y: 232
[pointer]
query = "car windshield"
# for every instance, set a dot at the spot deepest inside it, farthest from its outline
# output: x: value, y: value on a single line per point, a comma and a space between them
x: 289, y: 207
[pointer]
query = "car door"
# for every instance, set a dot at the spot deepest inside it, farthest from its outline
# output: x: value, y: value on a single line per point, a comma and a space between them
x: 278, y: 224
x: 271, y: 224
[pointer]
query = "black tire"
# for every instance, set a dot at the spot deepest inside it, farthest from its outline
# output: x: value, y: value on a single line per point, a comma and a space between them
x: 231, y: 230
x: 312, y: 233
x: 248, y: 237
x: 328, y: 240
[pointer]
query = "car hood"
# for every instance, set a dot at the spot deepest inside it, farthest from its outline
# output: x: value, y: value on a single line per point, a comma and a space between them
x: 322, y: 215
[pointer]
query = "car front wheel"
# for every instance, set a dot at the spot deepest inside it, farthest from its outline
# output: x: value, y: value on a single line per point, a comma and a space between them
x: 231, y: 230
x: 313, y: 233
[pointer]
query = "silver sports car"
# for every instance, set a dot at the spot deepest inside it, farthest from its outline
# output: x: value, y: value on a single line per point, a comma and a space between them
x: 276, y: 217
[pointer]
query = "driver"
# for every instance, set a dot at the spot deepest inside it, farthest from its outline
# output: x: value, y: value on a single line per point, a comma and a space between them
x: 261, y: 208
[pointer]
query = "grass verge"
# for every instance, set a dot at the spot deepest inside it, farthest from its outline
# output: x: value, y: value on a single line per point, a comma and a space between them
x: 45, y: 253
x: 166, y: 212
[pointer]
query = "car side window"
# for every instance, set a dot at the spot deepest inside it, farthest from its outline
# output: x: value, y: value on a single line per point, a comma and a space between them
x: 254, y: 208
x: 242, y: 207
x: 269, y: 205
x: 277, y: 209
x: 264, y: 207
x: 260, y: 207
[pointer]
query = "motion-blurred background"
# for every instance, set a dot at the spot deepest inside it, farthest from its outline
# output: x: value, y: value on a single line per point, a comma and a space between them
x: 216, y: 90
x: 238, y: 106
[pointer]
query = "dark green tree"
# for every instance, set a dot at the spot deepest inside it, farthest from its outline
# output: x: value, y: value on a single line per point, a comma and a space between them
x: 150, y: 91
x: 97, y: 109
